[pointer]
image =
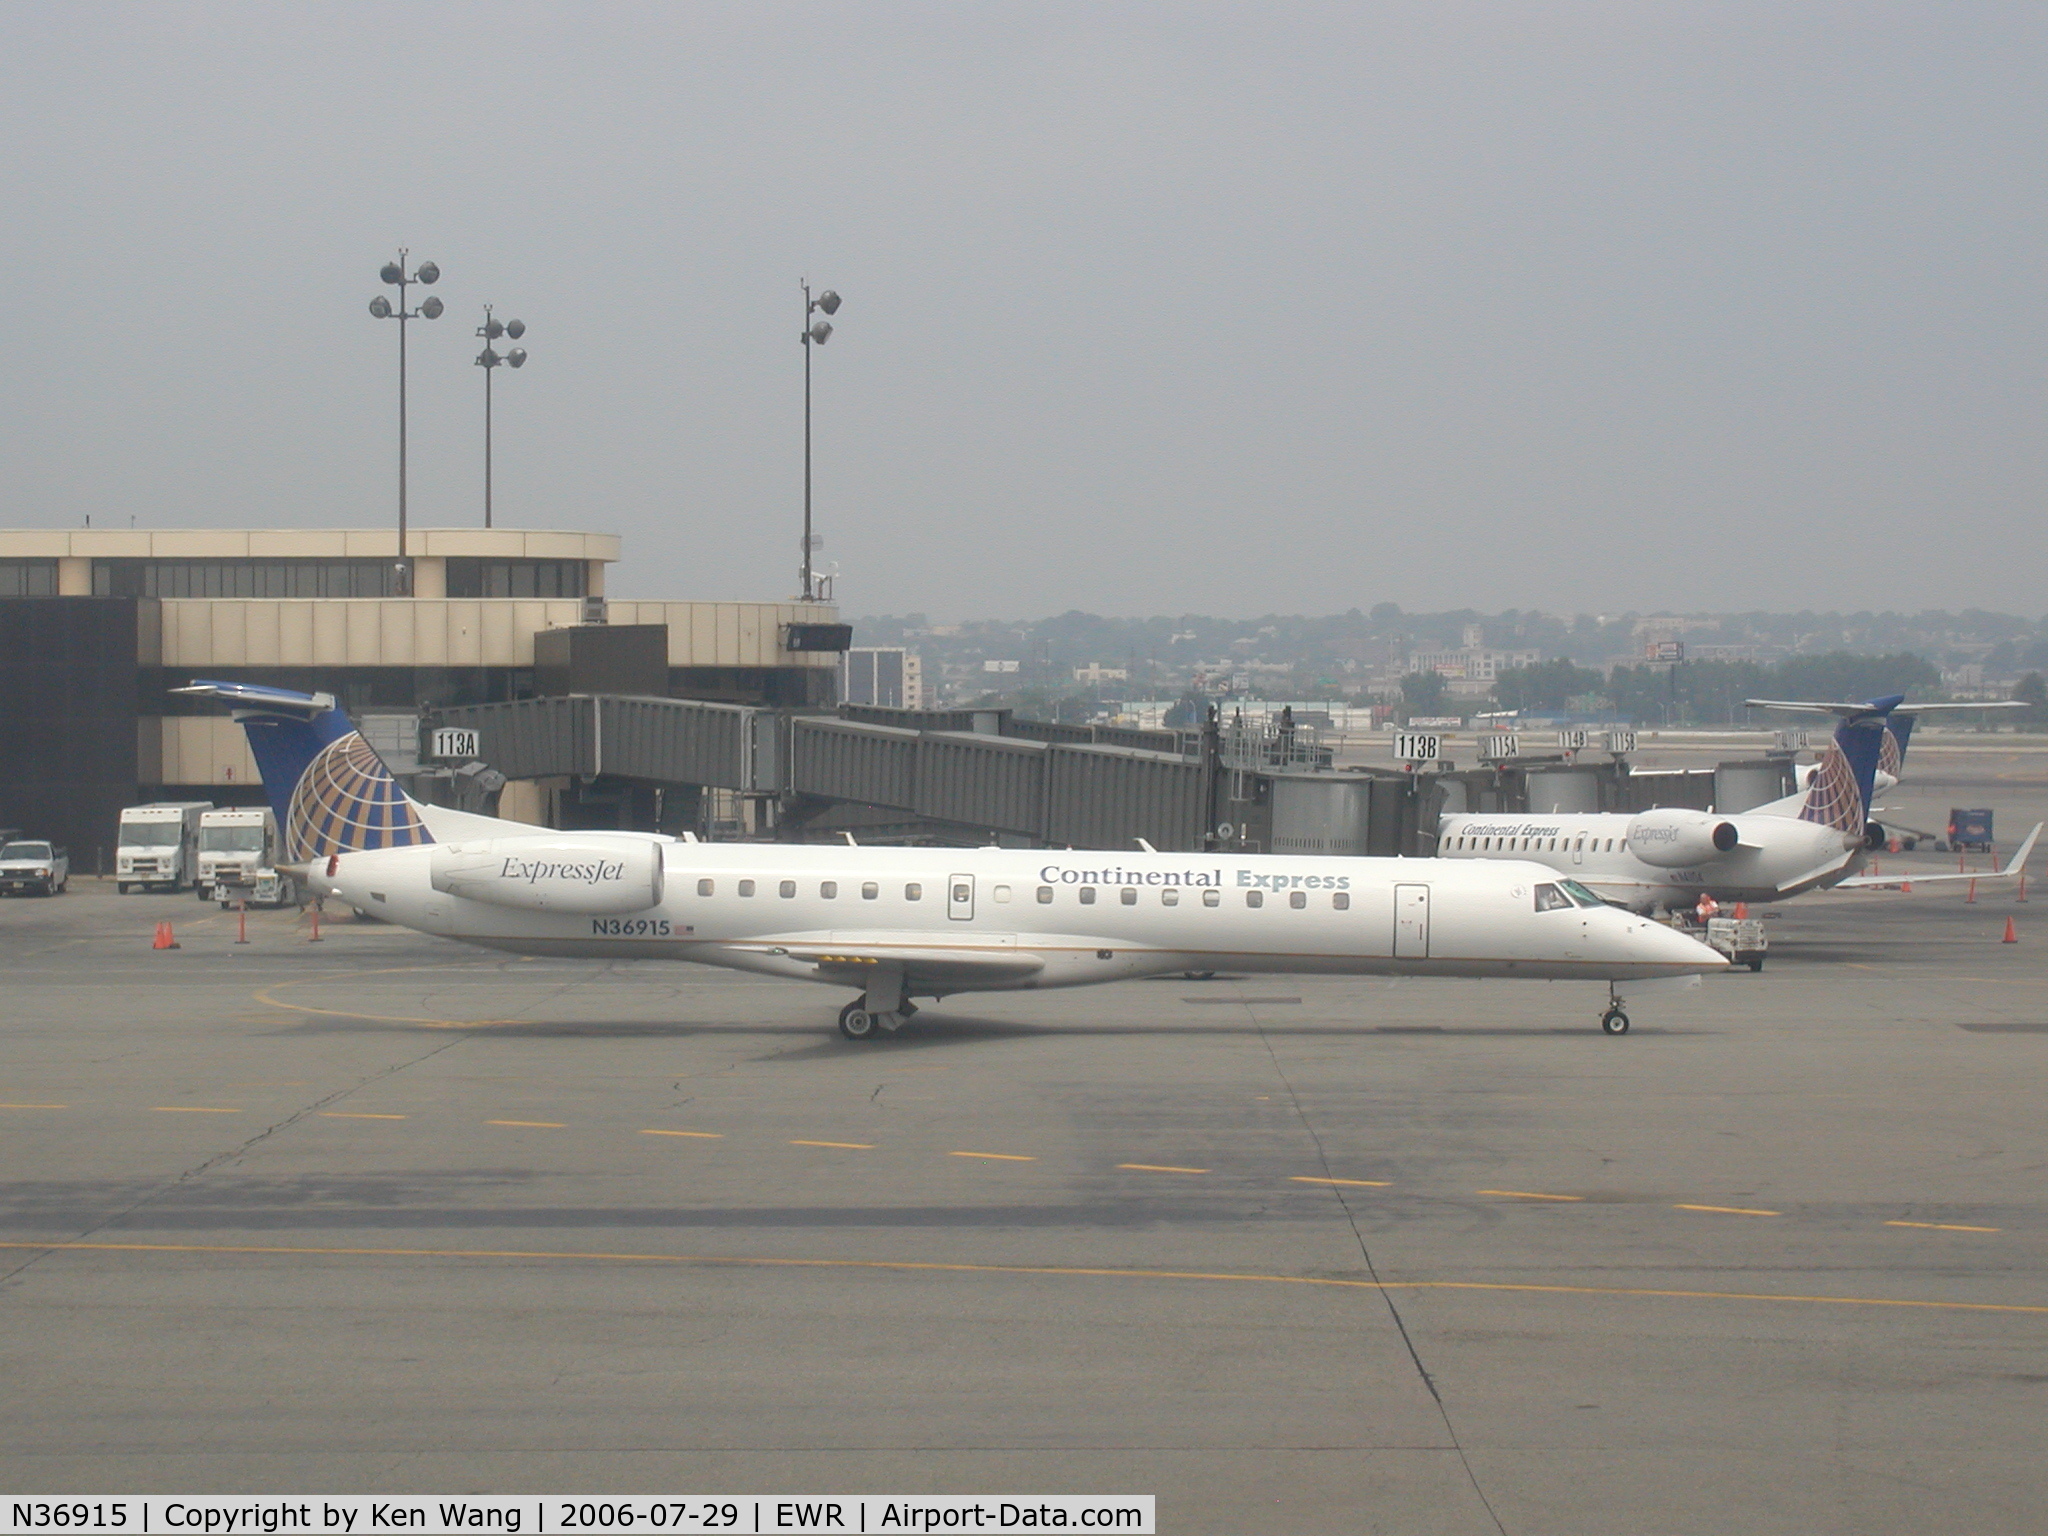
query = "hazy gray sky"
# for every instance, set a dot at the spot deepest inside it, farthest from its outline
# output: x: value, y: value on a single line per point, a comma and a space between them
x: 1149, y: 308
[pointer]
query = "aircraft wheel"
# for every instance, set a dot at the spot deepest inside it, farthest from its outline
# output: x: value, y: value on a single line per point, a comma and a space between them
x: 855, y: 1022
x: 1198, y: 975
x: 1756, y: 965
x: 1614, y: 1021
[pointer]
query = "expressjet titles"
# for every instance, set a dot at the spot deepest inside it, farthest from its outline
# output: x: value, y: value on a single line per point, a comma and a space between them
x: 534, y: 871
x: 1058, y: 874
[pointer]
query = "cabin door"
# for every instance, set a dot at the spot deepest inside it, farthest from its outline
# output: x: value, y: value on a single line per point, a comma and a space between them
x: 960, y: 898
x: 1411, y: 922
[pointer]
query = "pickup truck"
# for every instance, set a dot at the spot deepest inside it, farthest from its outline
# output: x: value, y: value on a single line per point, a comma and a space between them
x: 34, y: 866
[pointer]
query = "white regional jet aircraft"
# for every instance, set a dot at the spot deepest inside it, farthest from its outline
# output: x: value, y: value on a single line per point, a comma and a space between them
x: 1670, y: 857
x: 903, y: 923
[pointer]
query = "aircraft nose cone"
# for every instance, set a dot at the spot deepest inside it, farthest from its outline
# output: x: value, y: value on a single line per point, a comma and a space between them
x: 1679, y: 951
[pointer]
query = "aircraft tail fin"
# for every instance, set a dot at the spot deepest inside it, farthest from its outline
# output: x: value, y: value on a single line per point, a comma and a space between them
x: 1898, y: 730
x: 330, y: 791
x: 1838, y: 795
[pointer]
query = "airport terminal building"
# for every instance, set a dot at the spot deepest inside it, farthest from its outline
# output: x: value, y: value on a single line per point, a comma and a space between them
x: 99, y: 626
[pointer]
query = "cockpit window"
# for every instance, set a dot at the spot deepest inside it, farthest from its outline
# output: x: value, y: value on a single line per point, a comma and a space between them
x: 1580, y: 895
x: 1550, y: 899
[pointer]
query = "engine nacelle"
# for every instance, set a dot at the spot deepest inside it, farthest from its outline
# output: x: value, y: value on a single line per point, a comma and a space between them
x: 1874, y: 838
x: 1675, y: 839
x: 594, y: 877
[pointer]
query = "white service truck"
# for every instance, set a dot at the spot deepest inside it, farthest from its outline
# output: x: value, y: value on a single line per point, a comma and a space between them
x: 157, y: 847
x: 238, y: 858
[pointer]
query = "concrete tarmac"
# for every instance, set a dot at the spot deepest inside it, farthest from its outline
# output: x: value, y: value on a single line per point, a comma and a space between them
x: 390, y: 1215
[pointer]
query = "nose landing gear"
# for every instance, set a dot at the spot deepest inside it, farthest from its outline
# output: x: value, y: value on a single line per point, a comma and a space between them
x: 1614, y: 1021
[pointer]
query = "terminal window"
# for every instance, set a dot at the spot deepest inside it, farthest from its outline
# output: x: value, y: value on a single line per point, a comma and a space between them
x: 517, y: 578
x: 28, y: 578
x: 244, y: 578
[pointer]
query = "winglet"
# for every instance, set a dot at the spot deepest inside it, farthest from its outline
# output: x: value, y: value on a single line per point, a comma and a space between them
x: 2018, y: 863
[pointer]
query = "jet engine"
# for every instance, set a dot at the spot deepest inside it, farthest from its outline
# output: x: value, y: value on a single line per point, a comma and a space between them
x: 1674, y: 839
x: 1874, y: 838
x: 588, y: 876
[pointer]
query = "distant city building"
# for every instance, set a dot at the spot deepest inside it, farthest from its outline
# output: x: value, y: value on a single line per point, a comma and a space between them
x: 1471, y: 663
x: 998, y: 666
x: 886, y: 675
x: 1095, y: 673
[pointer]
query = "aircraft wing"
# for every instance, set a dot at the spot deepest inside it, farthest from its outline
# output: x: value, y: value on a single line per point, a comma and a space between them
x: 854, y: 961
x: 2012, y: 872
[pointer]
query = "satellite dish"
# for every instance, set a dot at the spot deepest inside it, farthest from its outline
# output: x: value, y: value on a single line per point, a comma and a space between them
x: 433, y: 307
x: 381, y: 307
x: 828, y: 301
x: 515, y: 328
x: 428, y: 272
x: 516, y: 357
x: 392, y: 272
x: 820, y: 333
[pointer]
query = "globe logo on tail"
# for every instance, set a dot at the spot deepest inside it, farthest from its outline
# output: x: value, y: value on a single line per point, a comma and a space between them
x: 346, y: 801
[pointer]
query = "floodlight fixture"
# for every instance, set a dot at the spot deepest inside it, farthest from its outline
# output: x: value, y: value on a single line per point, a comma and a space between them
x: 515, y: 329
x: 828, y: 301
x: 516, y: 357
x: 822, y: 332
x: 381, y: 307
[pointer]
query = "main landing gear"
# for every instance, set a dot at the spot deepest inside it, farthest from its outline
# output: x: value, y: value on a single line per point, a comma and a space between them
x: 856, y: 1022
x: 1614, y: 1021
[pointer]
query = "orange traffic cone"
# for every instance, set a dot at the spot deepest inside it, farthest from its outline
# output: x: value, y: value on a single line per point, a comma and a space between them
x: 164, y: 938
x: 1907, y: 888
x: 2012, y: 935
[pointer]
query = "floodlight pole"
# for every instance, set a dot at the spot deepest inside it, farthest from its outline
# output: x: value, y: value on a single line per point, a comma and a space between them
x: 395, y: 274
x: 819, y: 334
x: 489, y: 360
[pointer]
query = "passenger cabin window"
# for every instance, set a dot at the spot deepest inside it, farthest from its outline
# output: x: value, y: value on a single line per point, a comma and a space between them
x: 746, y: 887
x: 1297, y: 899
x: 1128, y: 896
x: 1341, y: 901
x: 1212, y: 898
x: 703, y: 887
x: 1087, y: 895
x: 963, y: 894
x: 788, y: 888
x: 1169, y: 897
x: 869, y: 891
x: 1550, y: 899
x: 1001, y: 893
x: 1255, y: 898
x: 1045, y: 895
x: 913, y: 892
x: 829, y: 889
